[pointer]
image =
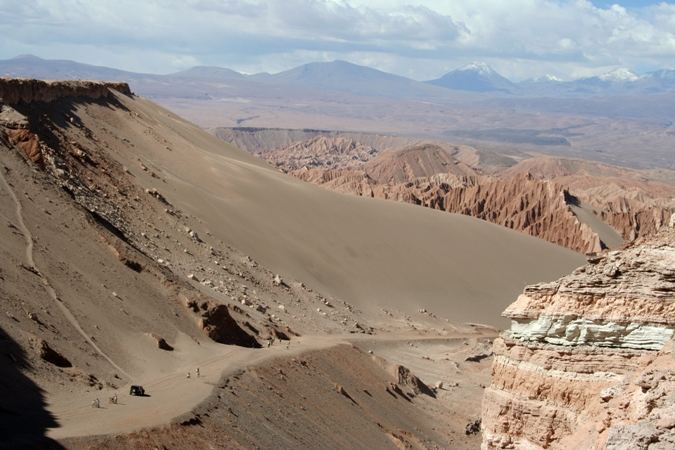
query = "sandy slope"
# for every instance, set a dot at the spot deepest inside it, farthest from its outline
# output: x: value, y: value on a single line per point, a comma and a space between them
x: 366, y: 251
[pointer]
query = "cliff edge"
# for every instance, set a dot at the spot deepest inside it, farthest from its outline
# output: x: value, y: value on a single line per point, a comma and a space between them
x: 16, y: 90
x: 588, y: 361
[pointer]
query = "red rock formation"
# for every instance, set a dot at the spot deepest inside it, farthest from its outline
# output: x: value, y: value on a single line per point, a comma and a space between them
x: 588, y: 360
x: 28, y: 143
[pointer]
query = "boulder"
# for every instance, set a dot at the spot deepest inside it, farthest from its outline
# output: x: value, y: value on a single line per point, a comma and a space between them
x: 161, y: 342
x: 49, y: 354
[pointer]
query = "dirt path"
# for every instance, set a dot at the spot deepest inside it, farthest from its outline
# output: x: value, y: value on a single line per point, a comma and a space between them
x: 172, y: 395
x: 45, y: 281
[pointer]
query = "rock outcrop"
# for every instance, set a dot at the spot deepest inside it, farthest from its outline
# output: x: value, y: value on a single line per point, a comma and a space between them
x: 588, y: 362
x: 14, y: 91
x: 47, y: 353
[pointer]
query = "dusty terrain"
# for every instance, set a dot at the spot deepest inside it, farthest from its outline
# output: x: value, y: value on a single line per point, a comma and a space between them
x: 339, y: 397
x: 137, y: 247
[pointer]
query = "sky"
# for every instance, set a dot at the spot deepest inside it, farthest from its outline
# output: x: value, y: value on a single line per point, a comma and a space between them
x: 422, y: 40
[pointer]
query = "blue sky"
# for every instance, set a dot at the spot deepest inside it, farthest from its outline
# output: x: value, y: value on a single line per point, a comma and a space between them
x: 420, y: 39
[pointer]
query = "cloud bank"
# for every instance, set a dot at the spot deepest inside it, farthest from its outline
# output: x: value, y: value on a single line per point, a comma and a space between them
x: 520, y: 38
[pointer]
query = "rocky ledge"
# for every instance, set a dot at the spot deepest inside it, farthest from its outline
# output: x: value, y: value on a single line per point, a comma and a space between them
x: 14, y: 90
x: 588, y: 360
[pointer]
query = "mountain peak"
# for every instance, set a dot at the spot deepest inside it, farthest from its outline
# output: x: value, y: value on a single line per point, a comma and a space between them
x: 477, y: 77
x: 620, y: 74
x: 478, y: 66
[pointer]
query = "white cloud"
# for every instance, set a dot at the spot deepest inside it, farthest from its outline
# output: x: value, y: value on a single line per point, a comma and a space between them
x: 521, y: 38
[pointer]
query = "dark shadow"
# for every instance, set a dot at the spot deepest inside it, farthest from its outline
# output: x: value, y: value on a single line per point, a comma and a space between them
x: 24, y: 419
x: 571, y: 199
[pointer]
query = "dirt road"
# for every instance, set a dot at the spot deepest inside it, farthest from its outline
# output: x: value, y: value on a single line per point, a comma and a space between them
x: 169, y: 394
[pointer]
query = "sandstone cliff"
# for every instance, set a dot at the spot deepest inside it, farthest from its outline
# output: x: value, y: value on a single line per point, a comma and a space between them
x: 588, y: 362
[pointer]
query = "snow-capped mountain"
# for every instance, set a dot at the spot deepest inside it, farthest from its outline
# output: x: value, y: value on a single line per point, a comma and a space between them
x: 620, y: 75
x: 478, y: 77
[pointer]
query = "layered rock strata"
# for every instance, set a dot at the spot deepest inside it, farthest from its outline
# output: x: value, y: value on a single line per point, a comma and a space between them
x: 587, y: 362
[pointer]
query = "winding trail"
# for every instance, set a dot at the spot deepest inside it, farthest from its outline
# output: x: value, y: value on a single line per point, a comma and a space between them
x: 48, y: 287
x: 172, y: 396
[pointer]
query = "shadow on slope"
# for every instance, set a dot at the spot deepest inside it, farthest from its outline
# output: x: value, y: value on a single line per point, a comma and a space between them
x: 24, y: 418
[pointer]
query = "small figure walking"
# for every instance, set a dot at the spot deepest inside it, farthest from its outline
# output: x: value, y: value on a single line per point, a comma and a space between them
x: 197, y: 372
x: 188, y: 375
x: 96, y: 403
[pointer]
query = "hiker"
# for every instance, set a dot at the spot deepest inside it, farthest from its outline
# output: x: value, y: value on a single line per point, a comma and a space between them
x: 96, y: 403
x: 197, y: 372
x: 188, y: 375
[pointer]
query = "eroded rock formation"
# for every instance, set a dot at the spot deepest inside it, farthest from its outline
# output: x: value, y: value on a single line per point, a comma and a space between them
x: 322, y: 151
x: 588, y: 362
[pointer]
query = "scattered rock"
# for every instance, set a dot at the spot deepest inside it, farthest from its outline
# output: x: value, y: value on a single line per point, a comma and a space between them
x: 155, y: 193
x: 478, y: 357
x: 473, y: 427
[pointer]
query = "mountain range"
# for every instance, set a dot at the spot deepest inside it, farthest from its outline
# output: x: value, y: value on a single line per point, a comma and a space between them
x: 619, y: 118
x: 343, y: 76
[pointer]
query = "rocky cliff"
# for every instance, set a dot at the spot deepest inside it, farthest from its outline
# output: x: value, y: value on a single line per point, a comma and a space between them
x: 14, y: 90
x: 588, y: 362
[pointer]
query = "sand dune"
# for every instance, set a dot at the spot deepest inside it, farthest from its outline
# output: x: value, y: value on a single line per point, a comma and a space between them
x: 366, y: 251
